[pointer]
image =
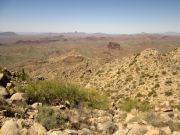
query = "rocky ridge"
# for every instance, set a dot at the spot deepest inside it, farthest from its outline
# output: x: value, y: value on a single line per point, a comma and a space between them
x: 147, y: 76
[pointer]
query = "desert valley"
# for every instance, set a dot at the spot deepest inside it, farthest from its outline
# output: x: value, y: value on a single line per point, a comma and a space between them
x: 89, y: 84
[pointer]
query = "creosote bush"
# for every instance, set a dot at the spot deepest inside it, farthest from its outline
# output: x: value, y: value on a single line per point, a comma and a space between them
x: 128, y: 104
x: 53, y: 92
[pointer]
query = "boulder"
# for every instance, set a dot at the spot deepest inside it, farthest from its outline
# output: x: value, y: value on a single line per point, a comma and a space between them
x: 166, y: 130
x: 36, y: 105
x: 70, y: 132
x: 166, y: 106
x: 176, y: 133
x: 85, y: 131
x: 19, y: 98
x: 10, y: 127
x: 56, y: 133
x: 3, y: 92
x: 107, y: 127
x: 131, y: 118
x: 37, y: 129
x: 121, y: 130
x: 136, y: 129
x: 152, y: 131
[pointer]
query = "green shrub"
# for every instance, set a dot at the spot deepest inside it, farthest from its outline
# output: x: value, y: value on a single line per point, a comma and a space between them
x: 177, y: 106
x: 129, y: 104
x: 51, y: 92
x: 51, y: 118
x: 22, y: 75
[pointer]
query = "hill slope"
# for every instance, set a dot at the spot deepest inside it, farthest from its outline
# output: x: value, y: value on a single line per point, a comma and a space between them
x: 148, y: 75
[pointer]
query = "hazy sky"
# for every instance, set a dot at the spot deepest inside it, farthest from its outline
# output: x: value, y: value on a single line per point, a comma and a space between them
x: 109, y: 16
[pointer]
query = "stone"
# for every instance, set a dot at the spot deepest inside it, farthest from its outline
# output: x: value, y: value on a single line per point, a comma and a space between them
x: 152, y: 131
x: 36, y: 105
x: 62, y: 107
x: 164, y: 106
x: 131, y: 118
x: 70, y: 132
x: 37, y: 129
x: 176, y: 133
x: 10, y: 127
x: 136, y: 129
x: 107, y: 127
x: 56, y: 133
x: 67, y: 104
x: 85, y: 131
x: 9, y: 85
x: 24, y: 131
x: 3, y: 91
x: 121, y: 130
x: 19, y: 97
x: 1, y: 76
x: 166, y: 130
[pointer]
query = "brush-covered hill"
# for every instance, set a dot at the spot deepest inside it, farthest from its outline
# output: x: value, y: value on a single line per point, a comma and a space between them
x: 148, y: 76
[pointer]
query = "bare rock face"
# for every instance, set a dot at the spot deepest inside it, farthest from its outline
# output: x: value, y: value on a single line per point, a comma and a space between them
x: 113, y: 45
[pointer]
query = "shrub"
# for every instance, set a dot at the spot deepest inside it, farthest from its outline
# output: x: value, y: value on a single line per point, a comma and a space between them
x: 168, y: 82
x: 177, y: 106
x: 152, y: 93
x: 52, y: 92
x: 129, y: 104
x: 51, y: 118
x: 22, y: 75
x: 168, y: 93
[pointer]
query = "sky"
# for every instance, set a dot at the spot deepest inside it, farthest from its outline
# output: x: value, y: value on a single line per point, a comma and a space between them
x: 91, y: 16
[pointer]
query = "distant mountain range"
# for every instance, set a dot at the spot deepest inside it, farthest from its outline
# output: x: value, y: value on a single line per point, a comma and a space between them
x: 79, y: 33
x: 172, y: 33
x: 8, y: 34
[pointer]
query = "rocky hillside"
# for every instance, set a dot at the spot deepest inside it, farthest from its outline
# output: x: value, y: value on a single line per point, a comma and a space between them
x: 149, y: 75
x: 36, y: 106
